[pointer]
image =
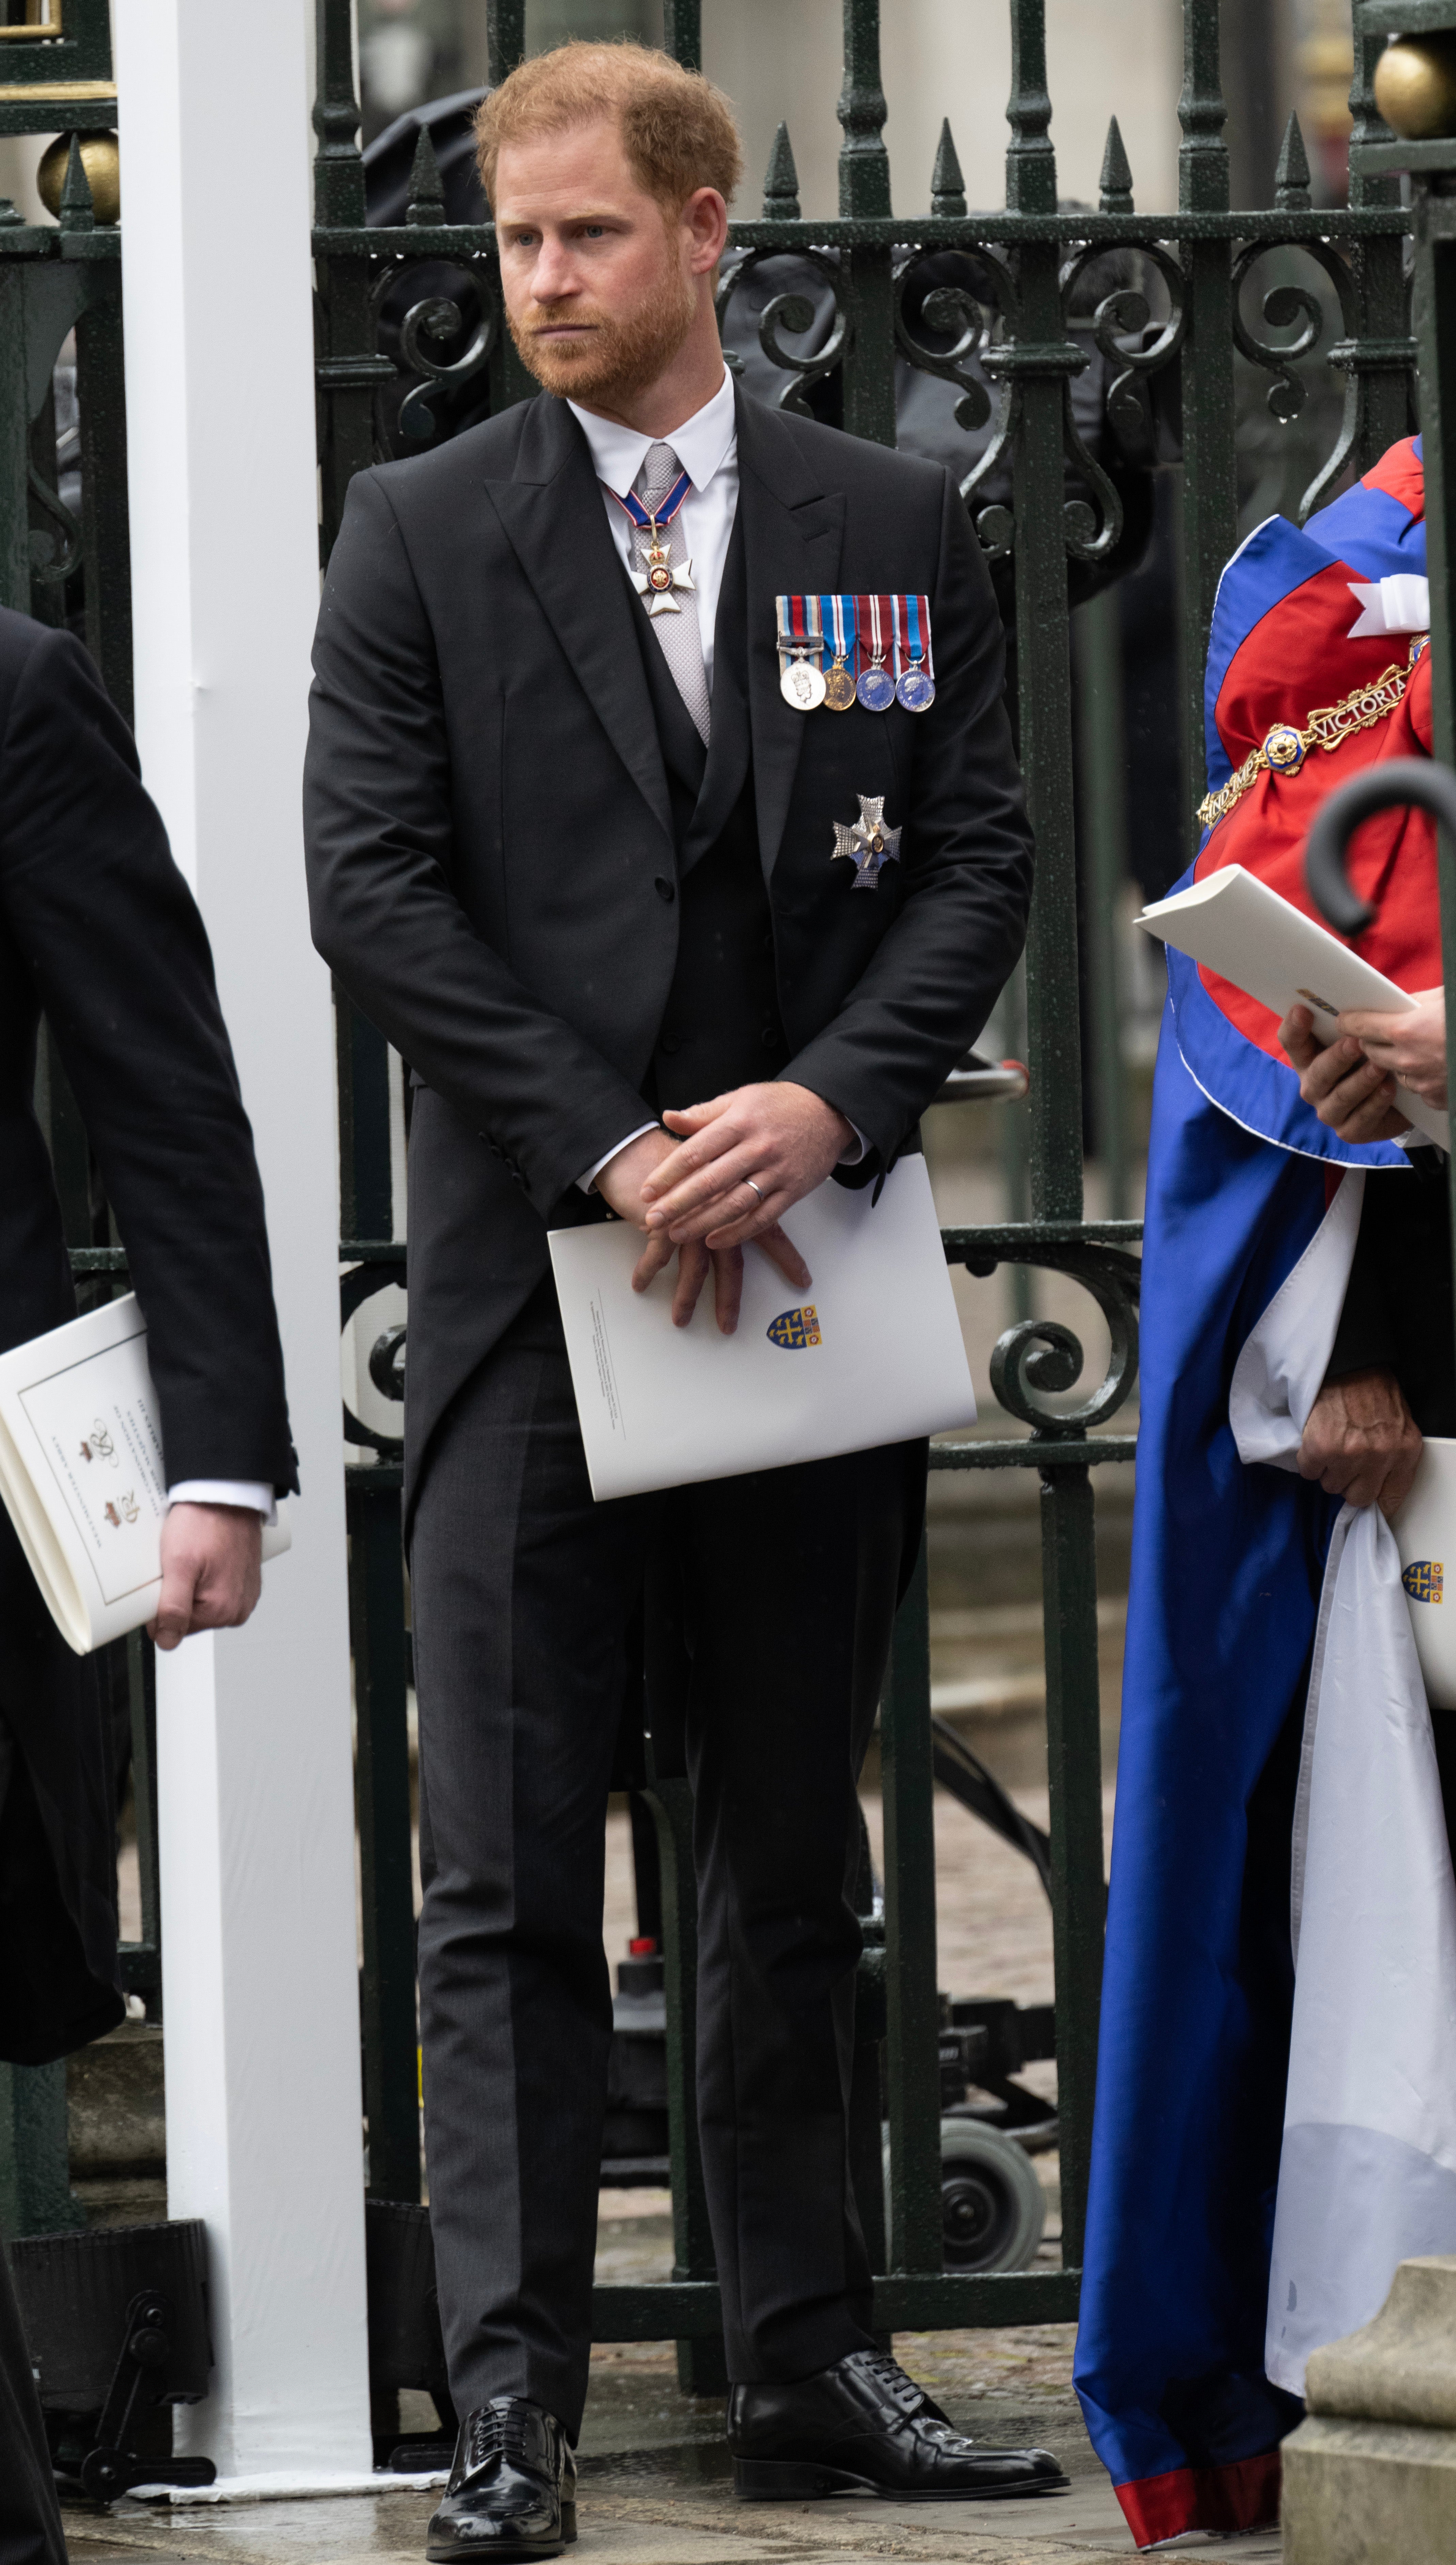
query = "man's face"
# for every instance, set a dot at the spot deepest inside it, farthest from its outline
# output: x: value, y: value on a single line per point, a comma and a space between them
x: 600, y: 282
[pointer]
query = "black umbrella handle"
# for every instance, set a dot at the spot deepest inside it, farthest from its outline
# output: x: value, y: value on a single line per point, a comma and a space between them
x: 1404, y: 783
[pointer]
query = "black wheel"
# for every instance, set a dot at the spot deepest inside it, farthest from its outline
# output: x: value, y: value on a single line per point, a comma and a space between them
x: 993, y: 2206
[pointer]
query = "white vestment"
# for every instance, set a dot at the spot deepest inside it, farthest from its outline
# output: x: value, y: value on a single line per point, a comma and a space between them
x: 1367, y: 2168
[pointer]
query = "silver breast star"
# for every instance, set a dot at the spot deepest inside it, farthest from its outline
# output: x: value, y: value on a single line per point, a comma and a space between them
x: 869, y: 844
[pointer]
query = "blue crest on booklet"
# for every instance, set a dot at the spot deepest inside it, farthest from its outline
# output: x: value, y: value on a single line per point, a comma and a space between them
x: 794, y: 1330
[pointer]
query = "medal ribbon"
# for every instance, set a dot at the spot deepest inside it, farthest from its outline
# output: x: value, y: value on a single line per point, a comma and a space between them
x: 911, y: 635
x: 799, y: 625
x: 642, y: 517
x: 869, y: 620
x: 837, y: 618
x: 900, y: 620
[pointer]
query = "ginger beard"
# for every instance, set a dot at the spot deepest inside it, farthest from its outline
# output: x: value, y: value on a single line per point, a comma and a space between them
x: 625, y: 350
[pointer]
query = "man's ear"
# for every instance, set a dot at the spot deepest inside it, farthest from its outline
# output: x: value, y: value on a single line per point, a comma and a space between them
x: 706, y: 215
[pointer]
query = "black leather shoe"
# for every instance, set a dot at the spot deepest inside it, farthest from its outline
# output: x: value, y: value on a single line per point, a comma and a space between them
x: 513, y: 2486
x: 863, y: 2426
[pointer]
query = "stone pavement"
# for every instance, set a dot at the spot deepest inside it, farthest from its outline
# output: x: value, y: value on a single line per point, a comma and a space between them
x: 655, y: 2490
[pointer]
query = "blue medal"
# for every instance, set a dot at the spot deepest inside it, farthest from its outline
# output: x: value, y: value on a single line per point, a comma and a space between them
x: 875, y: 688
x: 914, y: 683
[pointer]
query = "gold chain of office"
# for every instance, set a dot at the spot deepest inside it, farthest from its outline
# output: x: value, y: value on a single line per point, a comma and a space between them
x: 1284, y: 749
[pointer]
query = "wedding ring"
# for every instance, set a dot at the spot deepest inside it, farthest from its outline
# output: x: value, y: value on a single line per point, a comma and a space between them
x: 753, y: 1188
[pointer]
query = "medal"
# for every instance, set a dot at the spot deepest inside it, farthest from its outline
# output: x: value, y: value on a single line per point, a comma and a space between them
x: 868, y: 843
x: 839, y: 685
x: 801, y: 685
x: 914, y: 684
x: 875, y: 687
x: 800, y: 681
x: 658, y: 574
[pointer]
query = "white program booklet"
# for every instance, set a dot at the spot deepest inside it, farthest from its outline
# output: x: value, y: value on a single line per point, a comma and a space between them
x: 870, y: 1353
x: 1237, y: 926
x: 81, y: 1473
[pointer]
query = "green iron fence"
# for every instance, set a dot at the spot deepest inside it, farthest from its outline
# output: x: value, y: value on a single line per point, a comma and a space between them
x: 1173, y: 324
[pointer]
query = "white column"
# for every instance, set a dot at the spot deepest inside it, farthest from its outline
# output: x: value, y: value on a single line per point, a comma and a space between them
x: 255, y: 1755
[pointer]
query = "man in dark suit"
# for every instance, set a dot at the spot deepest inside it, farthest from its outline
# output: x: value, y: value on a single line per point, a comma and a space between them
x: 100, y: 933
x: 576, y: 862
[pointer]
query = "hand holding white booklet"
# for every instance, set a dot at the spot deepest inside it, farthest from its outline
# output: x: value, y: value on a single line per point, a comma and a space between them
x: 82, y: 1474
x: 1236, y: 925
x: 870, y: 1353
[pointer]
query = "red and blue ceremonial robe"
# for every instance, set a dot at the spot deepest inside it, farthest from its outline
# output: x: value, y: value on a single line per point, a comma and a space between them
x: 1228, y: 1562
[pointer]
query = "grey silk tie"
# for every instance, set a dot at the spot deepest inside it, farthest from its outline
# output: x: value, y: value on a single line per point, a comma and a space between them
x: 680, y: 635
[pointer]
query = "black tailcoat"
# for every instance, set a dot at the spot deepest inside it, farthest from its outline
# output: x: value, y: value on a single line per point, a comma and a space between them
x: 100, y: 934
x: 494, y: 871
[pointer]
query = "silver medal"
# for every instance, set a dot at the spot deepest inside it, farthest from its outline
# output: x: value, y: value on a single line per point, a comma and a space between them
x: 801, y: 684
x: 868, y: 843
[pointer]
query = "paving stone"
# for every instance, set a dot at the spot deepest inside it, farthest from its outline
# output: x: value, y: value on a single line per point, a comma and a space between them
x: 656, y: 2486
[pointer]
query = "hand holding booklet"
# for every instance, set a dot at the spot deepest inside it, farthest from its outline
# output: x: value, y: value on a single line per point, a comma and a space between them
x: 871, y: 1354
x: 82, y: 1474
x: 1234, y: 924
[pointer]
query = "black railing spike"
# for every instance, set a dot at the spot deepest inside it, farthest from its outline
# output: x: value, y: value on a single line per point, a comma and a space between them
x: 1114, y: 187
x: 426, y: 187
x: 948, y: 188
x: 781, y: 182
x: 1031, y: 163
x: 504, y: 38
x: 682, y: 32
x: 864, y: 163
x: 1368, y: 126
x: 77, y: 212
x: 1292, y: 170
x: 1204, y: 153
x: 339, y: 168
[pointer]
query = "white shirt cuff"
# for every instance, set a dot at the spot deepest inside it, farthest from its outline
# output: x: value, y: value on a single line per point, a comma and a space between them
x: 252, y: 1493
x: 848, y: 1157
x: 588, y: 1180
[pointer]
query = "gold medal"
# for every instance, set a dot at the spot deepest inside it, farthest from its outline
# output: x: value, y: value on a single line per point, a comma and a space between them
x: 839, y: 688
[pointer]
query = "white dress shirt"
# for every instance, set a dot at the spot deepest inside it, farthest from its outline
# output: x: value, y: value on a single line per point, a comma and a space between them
x: 707, y: 447
x: 250, y: 1492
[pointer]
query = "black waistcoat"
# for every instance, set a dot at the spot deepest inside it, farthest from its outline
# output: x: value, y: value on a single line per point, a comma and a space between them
x: 721, y: 1026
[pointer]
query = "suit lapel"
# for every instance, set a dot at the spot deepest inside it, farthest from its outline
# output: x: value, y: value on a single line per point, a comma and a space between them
x: 792, y: 536
x: 553, y: 514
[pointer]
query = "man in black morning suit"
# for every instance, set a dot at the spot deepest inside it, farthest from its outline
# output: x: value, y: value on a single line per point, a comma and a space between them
x: 100, y: 933
x: 577, y: 864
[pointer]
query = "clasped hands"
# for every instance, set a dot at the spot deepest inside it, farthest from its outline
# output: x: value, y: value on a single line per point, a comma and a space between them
x: 1361, y: 1441
x: 691, y: 1196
